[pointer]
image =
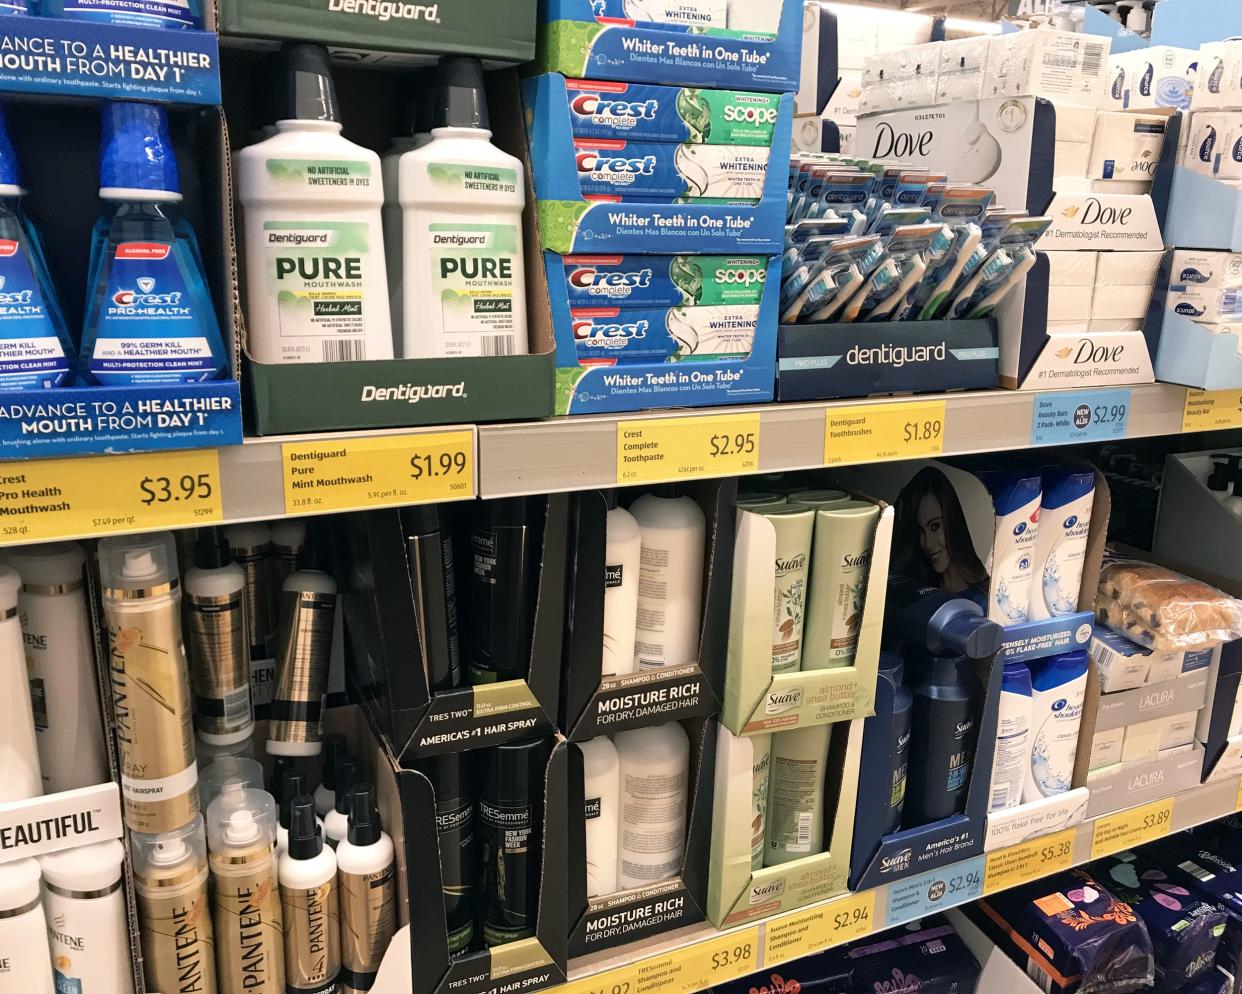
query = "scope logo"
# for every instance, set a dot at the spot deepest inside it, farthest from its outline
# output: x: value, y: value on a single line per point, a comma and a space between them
x: 750, y: 115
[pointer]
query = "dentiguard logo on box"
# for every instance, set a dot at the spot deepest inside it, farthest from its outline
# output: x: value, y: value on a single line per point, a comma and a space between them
x: 783, y: 701
x: 387, y: 10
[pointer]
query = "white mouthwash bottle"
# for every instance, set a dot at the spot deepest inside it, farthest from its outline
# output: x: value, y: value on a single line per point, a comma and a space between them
x: 461, y: 197
x: 35, y: 348
x: 149, y: 315
x: 416, y: 104
x: 316, y: 290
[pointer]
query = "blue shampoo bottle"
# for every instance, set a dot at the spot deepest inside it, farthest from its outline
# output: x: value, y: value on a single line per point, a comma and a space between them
x: 35, y: 348
x: 175, y: 14
x: 149, y: 315
x: 945, y: 729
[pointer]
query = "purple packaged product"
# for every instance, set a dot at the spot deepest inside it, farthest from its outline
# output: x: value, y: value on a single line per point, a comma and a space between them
x: 1071, y: 934
x: 1184, y: 930
x: 929, y: 960
x: 822, y: 973
x: 1215, y: 981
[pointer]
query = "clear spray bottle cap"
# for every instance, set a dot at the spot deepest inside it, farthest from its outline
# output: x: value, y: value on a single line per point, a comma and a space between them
x: 241, y: 818
x: 137, y: 565
x: 169, y: 858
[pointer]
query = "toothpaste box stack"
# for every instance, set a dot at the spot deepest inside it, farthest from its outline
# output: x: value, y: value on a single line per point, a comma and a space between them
x: 657, y: 196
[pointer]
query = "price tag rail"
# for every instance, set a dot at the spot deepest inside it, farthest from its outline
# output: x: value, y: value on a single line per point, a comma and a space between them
x: 701, y: 956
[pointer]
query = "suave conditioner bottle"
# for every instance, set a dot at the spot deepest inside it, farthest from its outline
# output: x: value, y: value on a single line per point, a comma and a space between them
x: 461, y: 200
x: 149, y: 315
x: 316, y: 286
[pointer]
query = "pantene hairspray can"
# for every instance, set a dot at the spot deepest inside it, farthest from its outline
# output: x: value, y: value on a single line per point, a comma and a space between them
x: 246, y: 912
x: 307, y: 619
x: 150, y: 683
x: 174, y: 912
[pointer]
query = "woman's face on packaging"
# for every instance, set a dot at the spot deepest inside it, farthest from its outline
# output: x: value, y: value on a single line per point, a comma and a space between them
x: 932, y: 538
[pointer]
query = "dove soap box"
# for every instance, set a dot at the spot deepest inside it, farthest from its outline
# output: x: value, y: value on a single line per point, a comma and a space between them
x: 1123, y: 285
x: 655, y: 171
x: 611, y: 336
x: 1185, y: 931
x: 1126, y: 147
x: 664, y: 280
x: 652, y: 113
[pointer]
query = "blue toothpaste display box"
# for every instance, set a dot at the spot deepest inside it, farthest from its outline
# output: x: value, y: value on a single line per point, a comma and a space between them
x: 617, y: 39
x: 622, y: 355
x: 582, y: 203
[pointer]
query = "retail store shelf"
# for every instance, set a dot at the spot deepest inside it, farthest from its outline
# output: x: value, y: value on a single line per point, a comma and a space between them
x: 698, y: 957
x: 274, y: 476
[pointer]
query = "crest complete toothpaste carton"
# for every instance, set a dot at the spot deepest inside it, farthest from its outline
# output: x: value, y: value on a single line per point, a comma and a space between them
x: 612, y: 336
x: 664, y: 280
x: 654, y: 171
x: 651, y: 113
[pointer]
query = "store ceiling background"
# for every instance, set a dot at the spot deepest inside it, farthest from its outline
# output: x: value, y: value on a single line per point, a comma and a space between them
x: 986, y: 9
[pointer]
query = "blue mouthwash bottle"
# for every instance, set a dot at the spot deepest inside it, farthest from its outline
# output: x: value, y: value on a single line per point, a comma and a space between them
x: 149, y: 314
x: 176, y: 14
x: 35, y: 348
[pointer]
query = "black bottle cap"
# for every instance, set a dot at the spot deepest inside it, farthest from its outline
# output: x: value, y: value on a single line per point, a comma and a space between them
x: 310, y: 94
x: 424, y: 102
x: 292, y: 786
x: 610, y: 498
x: 460, y: 100
x: 513, y: 772
x: 313, y: 554
x: 333, y: 749
x: 276, y: 782
x: 421, y: 519
x: 506, y: 511
x: 212, y: 549
x: 347, y: 774
x: 305, y: 839
x: 449, y: 774
x: 364, y: 819
x: 667, y: 490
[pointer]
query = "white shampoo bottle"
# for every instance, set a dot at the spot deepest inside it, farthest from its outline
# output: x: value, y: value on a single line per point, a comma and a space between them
x: 670, y: 580
x: 25, y: 964
x: 85, y: 907
x: 60, y: 660
x: 655, y: 795
x: 19, y: 752
x: 316, y: 286
x: 309, y: 906
x: 461, y: 200
x: 601, y: 784
x: 622, y: 556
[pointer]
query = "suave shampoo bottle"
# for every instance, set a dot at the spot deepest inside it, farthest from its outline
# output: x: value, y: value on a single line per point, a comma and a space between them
x: 35, y: 348
x: 149, y: 315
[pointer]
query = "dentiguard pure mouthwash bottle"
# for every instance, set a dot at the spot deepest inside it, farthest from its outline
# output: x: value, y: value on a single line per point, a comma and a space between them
x: 461, y: 199
x: 175, y: 14
x: 316, y: 286
x: 149, y: 315
x: 35, y: 348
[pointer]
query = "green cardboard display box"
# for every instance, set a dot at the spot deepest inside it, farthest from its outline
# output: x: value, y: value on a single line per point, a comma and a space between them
x: 389, y: 33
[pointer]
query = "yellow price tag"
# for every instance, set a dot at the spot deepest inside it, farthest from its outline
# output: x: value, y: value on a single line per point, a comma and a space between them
x: 1131, y: 828
x: 657, y: 449
x: 619, y: 981
x: 68, y: 498
x: 1038, y: 858
x: 1208, y: 410
x: 681, y: 971
x: 346, y: 474
x: 871, y: 432
x: 805, y: 932
x: 1238, y: 803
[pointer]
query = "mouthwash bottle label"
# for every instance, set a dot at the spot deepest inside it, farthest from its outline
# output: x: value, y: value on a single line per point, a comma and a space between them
x: 148, y: 331
x: 136, y: 13
x: 31, y: 354
x: 473, y: 271
x: 318, y: 273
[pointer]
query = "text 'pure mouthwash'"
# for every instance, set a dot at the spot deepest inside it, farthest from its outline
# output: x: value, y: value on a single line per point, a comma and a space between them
x: 317, y: 290
x: 461, y: 199
x: 35, y: 348
x: 149, y: 315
